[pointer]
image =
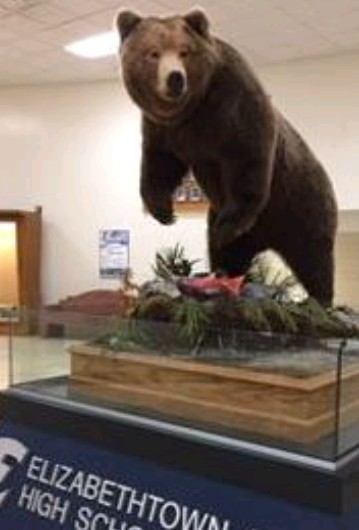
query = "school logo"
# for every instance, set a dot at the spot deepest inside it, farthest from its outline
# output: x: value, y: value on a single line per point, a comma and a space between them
x: 12, y: 453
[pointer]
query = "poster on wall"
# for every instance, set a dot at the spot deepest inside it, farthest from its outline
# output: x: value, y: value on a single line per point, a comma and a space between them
x: 114, y: 253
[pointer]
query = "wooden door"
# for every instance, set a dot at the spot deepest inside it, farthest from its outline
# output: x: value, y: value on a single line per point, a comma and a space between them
x: 28, y: 235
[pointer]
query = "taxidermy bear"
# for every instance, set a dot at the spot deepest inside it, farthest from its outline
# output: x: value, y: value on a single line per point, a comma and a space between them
x: 204, y: 110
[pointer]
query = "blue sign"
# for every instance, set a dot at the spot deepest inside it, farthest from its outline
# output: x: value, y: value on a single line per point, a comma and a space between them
x: 51, y: 483
x: 114, y: 253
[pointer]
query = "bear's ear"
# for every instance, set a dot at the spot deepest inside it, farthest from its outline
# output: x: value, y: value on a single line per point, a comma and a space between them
x: 198, y: 21
x: 126, y: 23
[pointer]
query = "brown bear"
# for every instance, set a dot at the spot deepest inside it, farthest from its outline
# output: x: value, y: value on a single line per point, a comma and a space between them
x: 204, y: 110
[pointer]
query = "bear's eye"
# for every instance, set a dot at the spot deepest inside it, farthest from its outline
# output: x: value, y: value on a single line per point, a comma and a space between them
x: 154, y: 55
x: 184, y: 53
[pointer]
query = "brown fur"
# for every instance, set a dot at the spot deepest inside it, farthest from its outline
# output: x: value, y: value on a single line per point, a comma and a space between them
x: 265, y: 186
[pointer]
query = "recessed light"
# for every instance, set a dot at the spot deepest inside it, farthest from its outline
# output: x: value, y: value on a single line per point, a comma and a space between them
x: 96, y: 46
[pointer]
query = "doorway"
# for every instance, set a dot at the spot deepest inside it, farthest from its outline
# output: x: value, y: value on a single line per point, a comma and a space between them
x: 9, y: 277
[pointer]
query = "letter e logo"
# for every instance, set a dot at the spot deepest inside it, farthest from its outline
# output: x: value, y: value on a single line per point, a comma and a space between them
x: 9, y: 448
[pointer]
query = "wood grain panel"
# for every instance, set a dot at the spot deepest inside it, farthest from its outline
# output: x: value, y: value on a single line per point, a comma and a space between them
x: 282, y: 406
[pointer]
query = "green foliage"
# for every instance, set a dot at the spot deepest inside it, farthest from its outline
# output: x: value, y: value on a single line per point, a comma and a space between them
x: 307, y: 318
x: 171, y: 263
x: 126, y: 336
x: 251, y: 316
x: 316, y: 321
x: 280, y: 320
x: 223, y: 312
x: 193, y: 318
x: 188, y: 322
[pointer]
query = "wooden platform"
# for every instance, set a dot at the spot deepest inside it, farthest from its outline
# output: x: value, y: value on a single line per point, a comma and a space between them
x: 300, y: 409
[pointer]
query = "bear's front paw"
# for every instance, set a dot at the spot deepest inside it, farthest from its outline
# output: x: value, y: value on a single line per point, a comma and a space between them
x: 164, y: 216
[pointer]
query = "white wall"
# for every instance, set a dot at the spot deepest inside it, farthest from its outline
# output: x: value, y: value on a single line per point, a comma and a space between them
x: 321, y: 96
x: 75, y: 151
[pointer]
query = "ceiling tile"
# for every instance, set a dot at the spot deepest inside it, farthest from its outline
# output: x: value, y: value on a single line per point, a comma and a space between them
x: 78, y: 7
x: 316, y: 10
x: 291, y: 52
x: 48, y: 14
x: 338, y: 24
x: 32, y: 45
x: 67, y: 33
x: 297, y: 37
x: 103, y: 20
x: 5, y: 34
x: 20, y: 24
x: 116, y: 5
x: 146, y: 7
x: 266, y: 31
x: 347, y: 39
x: 19, y: 6
x: 112, y: 3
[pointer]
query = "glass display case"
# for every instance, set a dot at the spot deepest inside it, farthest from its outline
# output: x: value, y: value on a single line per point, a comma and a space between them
x: 298, y: 396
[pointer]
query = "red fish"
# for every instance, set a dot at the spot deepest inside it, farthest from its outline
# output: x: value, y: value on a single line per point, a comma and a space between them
x: 211, y: 285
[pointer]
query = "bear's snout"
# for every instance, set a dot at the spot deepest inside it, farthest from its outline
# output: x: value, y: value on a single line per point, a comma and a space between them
x: 176, y: 84
x: 172, y: 77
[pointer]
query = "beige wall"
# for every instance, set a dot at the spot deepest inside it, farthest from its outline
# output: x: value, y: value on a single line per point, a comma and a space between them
x: 320, y: 96
x: 347, y: 259
x: 8, y: 265
x: 75, y: 150
x: 347, y: 269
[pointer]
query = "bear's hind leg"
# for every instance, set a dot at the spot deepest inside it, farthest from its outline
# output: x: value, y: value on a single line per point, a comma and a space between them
x: 313, y: 264
x: 233, y: 259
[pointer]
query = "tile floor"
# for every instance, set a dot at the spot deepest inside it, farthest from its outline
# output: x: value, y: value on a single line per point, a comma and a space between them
x: 4, y: 362
x: 31, y: 358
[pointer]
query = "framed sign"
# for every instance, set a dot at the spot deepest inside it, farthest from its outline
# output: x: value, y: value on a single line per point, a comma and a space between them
x: 189, y: 196
x: 114, y: 253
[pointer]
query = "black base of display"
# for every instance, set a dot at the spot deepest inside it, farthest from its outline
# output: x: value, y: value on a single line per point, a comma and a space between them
x: 331, y: 487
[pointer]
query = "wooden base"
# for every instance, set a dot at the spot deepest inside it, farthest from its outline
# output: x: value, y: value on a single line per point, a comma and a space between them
x: 286, y: 407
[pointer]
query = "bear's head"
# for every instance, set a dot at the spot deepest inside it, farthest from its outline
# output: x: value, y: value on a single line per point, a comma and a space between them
x: 167, y: 63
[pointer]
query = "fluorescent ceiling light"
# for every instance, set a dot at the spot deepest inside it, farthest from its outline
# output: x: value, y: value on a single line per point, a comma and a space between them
x: 96, y: 46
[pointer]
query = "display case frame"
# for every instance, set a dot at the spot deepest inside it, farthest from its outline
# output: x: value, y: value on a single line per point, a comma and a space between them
x: 266, y: 482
